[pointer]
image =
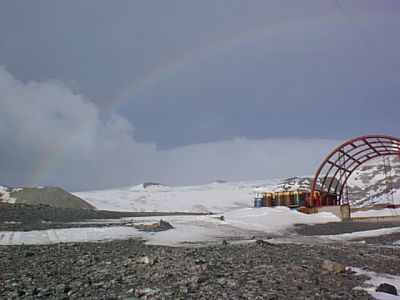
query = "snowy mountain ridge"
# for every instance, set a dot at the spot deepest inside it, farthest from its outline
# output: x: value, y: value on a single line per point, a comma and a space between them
x: 366, y: 187
x: 375, y: 183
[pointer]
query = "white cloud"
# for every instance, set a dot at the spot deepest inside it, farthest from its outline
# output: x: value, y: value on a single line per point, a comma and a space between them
x: 38, y: 119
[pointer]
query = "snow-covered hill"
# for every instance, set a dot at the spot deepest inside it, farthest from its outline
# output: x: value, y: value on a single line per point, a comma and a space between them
x: 367, y: 187
x: 215, y: 197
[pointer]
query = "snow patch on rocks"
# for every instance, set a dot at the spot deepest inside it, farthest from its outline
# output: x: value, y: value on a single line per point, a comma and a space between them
x: 5, y: 196
x: 375, y: 280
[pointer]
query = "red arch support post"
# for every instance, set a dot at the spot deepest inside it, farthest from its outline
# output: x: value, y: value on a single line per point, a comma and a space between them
x: 337, y: 167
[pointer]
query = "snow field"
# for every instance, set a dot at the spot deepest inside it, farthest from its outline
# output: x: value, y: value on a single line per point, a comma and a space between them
x: 242, y: 223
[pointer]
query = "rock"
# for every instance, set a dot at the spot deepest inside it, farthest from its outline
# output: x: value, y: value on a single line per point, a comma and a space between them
x: 199, y: 261
x: 272, y: 297
x: 160, y: 226
x: 192, y: 290
x: 144, y: 260
x: 201, y: 279
x: 387, y: 288
x: 165, y: 225
x: 35, y: 291
x: 148, y: 184
x: 264, y: 243
x: 147, y: 292
x: 225, y: 282
x: 333, y: 267
x: 231, y: 283
x: 219, y: 181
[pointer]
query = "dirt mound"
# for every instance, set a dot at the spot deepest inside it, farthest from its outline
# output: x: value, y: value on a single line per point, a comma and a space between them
x: 51, y: 196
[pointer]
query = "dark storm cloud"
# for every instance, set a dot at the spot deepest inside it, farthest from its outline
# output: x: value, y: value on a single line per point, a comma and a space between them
x: 43, y: 142
x: 257, y: 70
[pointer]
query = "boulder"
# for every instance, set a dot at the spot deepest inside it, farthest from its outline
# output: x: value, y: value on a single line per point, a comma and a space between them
x: 333, y: 267
x: 387, y: 288
x: 144, y: 260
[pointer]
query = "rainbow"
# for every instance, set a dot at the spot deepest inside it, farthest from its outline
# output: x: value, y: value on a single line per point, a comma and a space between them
x: 172, y: 66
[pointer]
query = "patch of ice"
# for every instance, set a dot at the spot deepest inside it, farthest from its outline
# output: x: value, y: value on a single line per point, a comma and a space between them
x: 53, y: 236
x: 362, y: 234
x: 188, y: 230
x: 375, y: 280
x: 386, y: 212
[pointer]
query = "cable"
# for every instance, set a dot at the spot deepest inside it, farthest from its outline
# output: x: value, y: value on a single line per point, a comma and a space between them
x: 367, y: 39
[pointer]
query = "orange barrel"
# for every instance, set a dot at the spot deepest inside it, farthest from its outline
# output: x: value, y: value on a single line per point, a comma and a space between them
x: 268, y: 199
x: 302, y: 198
x: 286, y: 198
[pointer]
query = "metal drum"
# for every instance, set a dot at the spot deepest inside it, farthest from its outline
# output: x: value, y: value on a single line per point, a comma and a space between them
x: 268, y: 200
x: 258, y: 202
x: 285, y: 199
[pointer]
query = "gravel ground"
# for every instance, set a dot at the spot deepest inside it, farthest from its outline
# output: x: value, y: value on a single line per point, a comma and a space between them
x: 130, y: 270
x: 39, y: 217
x: 387, y: 239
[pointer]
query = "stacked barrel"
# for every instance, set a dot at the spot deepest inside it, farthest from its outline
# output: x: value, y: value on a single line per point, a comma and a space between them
x: 281, y: 198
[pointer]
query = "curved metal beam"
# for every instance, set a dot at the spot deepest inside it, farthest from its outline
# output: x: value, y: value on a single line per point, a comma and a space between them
x: 347, y: 157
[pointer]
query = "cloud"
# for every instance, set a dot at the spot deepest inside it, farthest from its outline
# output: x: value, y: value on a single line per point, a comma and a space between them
x: 51, y: 136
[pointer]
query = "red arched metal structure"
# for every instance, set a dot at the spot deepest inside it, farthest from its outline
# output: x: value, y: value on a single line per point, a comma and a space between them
x: 342, y: 161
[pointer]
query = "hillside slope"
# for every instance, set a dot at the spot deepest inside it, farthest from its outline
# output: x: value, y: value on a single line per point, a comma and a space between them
x: 51, y: 196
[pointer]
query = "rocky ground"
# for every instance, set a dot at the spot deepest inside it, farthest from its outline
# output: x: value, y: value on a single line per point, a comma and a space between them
x: 129, y: 270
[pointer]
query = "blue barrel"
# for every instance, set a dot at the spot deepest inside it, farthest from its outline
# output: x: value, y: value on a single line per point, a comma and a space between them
x: 258, y: 202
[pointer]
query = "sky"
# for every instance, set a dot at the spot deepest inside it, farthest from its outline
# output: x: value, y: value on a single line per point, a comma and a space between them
x: 99, y: 94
